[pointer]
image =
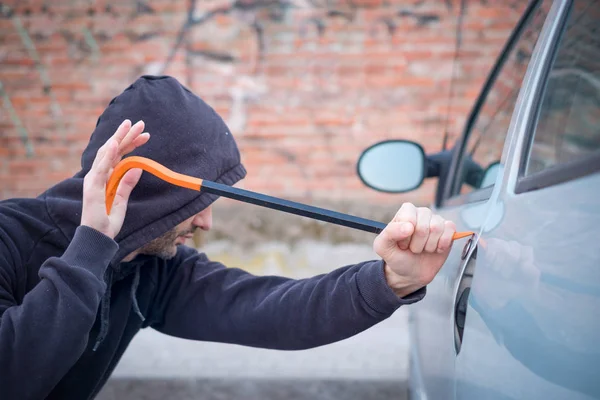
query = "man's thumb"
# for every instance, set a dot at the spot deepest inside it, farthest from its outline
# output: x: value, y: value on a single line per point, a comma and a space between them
x: 396, y: 235
x: 128, y: 182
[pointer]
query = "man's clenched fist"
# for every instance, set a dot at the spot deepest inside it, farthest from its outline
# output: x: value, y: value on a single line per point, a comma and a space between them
x: 414, y: 246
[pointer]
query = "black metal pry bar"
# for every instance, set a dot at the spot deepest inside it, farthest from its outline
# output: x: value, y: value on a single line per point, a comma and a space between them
x: 292, y: 207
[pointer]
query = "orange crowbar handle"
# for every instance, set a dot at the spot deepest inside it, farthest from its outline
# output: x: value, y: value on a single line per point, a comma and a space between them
x: 151, y: 166
x: 193, y: 183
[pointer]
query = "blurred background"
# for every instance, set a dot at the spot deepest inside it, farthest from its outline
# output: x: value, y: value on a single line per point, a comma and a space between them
x: 305, y: 86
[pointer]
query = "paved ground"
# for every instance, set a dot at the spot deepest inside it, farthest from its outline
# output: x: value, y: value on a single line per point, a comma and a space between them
x: 229, y: 389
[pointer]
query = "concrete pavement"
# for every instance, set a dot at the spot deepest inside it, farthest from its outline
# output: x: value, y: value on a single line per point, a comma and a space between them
x: 255, y: 389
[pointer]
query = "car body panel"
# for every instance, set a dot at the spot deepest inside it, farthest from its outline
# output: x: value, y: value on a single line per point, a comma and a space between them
x: 531, y: 329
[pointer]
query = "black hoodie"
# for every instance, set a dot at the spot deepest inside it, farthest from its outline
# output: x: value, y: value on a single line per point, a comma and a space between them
x: 69, y: 306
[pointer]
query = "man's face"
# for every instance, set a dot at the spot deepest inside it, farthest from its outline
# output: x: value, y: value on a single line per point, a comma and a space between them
x: 165, y: 246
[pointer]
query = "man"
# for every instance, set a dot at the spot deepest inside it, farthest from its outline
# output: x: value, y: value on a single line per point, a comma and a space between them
x: 76, y: 284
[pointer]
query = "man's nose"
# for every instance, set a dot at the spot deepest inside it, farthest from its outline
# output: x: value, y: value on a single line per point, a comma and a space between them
x: 203, y: 219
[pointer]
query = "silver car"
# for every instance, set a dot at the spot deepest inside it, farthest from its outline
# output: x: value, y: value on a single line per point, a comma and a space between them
x: 515, y: 311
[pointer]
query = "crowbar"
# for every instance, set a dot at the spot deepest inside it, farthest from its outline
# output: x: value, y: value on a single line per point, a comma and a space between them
x: 247, y: 196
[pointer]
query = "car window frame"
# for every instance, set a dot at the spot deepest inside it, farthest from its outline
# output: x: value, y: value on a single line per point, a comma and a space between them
x: 559, y: 173
x: 449, y: 193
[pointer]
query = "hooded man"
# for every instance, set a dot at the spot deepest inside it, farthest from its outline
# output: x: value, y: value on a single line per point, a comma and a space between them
x: 76, y: 284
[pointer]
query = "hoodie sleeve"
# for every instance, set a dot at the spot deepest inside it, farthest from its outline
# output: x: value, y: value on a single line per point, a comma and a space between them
x: 43, y: 334
x: 204, y: 300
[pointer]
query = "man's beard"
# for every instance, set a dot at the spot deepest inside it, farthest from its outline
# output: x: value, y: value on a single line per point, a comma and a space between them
x: 164, y: 246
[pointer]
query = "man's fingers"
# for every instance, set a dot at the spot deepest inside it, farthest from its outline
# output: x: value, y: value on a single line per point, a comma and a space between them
x: 122, y: 131
x: 436, y: 229
x: 141, y: 140
x: 137, y: 142
x: 417, y: 230
x: 445, y: 241
x: 419, y: 238
x: 128, y: 182
x: 99, y: 156
x: 407, y: 213
x: 100, y: 174
x: 118, y: 136
x: 131, y: 135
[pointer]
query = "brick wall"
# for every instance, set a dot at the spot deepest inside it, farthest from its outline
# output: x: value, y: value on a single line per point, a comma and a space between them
x: 304, y: 85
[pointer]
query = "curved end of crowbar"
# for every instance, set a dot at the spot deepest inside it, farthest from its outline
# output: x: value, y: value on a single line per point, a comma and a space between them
x: 150, y: 166
x: 460, y: 235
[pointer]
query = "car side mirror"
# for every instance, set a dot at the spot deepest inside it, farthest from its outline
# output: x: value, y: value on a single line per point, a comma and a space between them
x: 393, y: 166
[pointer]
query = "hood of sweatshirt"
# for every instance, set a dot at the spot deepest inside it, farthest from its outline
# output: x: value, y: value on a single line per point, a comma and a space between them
x: 186, y: 136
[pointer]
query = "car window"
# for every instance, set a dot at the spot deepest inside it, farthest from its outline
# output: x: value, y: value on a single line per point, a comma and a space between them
x: 568, y: 127
x: 485, y: 140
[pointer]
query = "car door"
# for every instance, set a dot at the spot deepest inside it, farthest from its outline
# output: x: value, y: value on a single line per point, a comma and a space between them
x: 437, y: 323
x: 531, y: 328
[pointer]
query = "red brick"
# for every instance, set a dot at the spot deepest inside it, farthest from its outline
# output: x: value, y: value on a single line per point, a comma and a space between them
x: 326, y: 98
x: 27, y: 167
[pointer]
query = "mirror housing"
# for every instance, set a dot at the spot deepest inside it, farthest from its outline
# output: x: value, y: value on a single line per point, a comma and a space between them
x: 398, y: 166
x: 477, y: 177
